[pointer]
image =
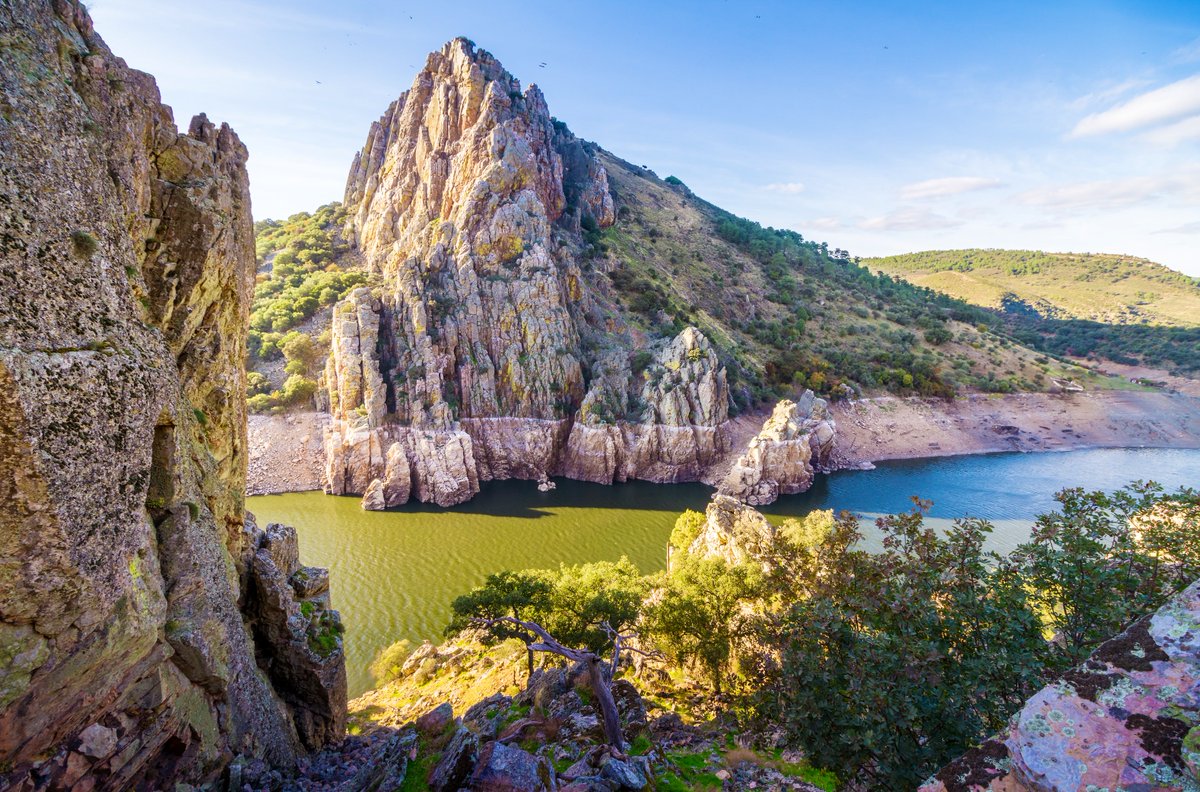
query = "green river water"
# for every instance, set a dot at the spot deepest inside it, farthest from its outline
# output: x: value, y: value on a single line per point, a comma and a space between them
x: 395, y: 573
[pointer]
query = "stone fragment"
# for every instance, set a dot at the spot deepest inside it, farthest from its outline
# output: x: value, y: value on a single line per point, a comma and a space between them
x: 503, y: 768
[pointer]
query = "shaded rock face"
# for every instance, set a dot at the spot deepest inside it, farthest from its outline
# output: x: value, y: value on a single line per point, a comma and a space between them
x: 1128, y: 718
x: 781, y: 458
x: 476, y: 358
x: 126, y: 269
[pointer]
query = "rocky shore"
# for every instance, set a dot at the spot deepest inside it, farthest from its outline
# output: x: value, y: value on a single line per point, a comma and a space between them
x: 285, y: 457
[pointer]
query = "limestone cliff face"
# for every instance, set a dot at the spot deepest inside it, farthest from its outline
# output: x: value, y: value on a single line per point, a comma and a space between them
x: 780, y: 459
x: 1127, y: 718
x: 133, y: 615
x: 486, y: 352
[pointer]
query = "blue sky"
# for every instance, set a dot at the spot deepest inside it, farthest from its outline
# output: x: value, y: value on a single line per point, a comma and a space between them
x: 878, y: 127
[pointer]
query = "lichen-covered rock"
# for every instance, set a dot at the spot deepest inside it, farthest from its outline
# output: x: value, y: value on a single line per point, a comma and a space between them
x: 1125, y: 719
x: 780, y: 459
x: 126, y: 271
x: 467, y: 362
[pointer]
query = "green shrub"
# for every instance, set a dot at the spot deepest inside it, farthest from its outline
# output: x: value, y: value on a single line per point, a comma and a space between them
x: 387, y: 664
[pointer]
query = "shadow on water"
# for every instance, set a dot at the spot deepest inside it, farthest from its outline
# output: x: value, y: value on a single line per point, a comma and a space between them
x: 521, y: 498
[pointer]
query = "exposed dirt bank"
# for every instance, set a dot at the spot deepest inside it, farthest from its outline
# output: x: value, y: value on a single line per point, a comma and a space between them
x: 870, y: 430
x: 287, y: 453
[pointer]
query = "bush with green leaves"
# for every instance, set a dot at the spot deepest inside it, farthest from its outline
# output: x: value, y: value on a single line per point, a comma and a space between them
x: 891, y: 664
x: 388, y: 663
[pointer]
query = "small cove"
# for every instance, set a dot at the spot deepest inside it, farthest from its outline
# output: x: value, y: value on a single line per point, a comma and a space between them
x: 395, y: 573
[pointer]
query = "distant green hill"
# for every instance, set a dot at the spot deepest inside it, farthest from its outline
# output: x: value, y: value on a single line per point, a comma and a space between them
x: 1099, y: 287
x: 1121, y: 308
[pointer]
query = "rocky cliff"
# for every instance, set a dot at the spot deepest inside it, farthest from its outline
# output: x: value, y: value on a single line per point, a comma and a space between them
x: 490, y: 350
x: 781, y: 459
x: 1127, y: 718
x: 149, y: 630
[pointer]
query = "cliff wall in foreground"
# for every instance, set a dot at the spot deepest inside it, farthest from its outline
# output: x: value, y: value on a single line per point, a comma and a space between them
x: 149, y: 631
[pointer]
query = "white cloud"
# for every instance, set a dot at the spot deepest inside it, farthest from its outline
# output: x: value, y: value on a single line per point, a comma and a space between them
x: 1168, y: 103
x: 1174, y: 134
x: 1186, y: 228
x: 825, y: 224
x: 951, y: 185
x: 1115, y: 193
x: 908, y: 218
x: 1109, y: 94
x: 791, y: 188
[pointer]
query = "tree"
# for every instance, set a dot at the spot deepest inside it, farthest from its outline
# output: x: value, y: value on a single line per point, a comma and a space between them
x: 700, y: 616
x: 1102, y: 559
x: 503, y: 599
x: 537, y: 639
x: 589, y: 602
x: 896, y: 662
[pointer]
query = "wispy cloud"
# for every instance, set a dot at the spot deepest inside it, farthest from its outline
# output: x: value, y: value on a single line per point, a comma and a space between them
x: 1174, y: 134
x: 1162, y: 105
x: 1109, y: 94
x: 1186, y: 228
x: 950, y: 185
x: 791, y: 188
x: 908, y: 218
x: 825, y: 224
x: 1114, y: 193
x: 1188, y: 53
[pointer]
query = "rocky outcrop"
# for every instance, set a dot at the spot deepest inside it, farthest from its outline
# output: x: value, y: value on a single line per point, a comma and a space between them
x: 780, y: 459
x: 476, y: 358
x: 1127, y: 718
x: 733, y: 532
x: 126, y: 269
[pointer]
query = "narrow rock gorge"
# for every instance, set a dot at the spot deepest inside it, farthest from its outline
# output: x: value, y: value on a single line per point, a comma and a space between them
x: 150, y: 631
x: 489, y: 349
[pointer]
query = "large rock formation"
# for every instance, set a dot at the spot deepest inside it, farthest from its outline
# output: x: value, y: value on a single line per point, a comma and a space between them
x: 486, y: 352
x: 734, y: 533
x: 1128, y: 718
x: 780, y: 458
x: 135, y: 617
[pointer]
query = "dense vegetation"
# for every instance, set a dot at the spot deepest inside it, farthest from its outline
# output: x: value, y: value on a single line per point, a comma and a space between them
x: 1118, y: 308
x: 880, y: 666
x: 302, y: 272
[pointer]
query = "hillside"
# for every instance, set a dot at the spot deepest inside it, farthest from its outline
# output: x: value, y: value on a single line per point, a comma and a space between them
x: 496, y: 298
x: 784, y: 313
x: 1105, y: 307
x: 1099, y: 287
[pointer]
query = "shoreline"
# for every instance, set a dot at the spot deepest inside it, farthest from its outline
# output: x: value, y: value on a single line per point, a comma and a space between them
x: 287, y: 453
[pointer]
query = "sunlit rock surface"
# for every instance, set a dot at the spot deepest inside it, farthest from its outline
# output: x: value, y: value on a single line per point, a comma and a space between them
x: 781, y: 458
x: 483, y: 354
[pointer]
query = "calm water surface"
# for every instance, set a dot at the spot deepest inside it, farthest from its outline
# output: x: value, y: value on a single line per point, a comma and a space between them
x: 394, y: 573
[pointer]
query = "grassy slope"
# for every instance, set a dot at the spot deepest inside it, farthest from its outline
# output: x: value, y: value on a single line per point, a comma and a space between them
x: 1100, y: 287
x: 787, y: 316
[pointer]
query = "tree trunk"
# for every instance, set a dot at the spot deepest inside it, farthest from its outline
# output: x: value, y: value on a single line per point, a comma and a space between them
x: 608, y: 707
x: 529, y: 660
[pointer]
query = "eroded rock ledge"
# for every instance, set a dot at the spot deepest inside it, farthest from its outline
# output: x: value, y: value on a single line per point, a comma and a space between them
x: 783, y: 457
x: 135, y: 613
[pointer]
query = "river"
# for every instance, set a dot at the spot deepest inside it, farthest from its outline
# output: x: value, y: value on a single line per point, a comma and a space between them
x: 395, y: 573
